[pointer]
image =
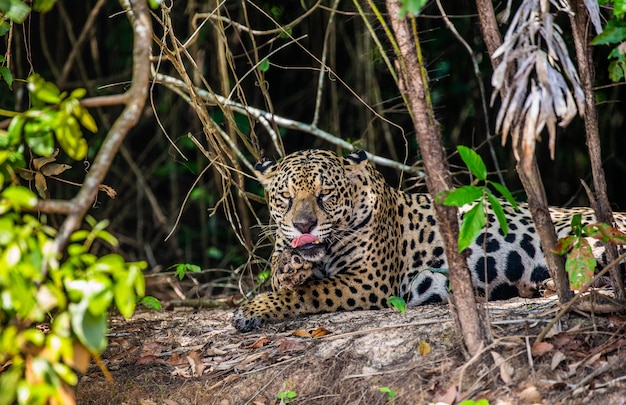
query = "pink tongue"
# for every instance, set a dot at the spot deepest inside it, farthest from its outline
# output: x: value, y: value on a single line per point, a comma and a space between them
x: 303, y: 240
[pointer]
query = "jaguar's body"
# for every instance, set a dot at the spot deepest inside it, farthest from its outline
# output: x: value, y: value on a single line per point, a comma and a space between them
x: 345, y: 240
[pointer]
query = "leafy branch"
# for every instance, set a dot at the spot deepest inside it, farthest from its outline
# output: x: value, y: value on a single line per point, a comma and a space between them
x: 481, y: 195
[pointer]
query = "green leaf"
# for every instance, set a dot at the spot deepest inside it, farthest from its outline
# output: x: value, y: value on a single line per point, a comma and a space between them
x: 151, y: 303
x: 619, y: 7
x: 154, y: 4
x: 505, y: 193
x: 413, y: 7
x: 617, y: 70
x: 264, y: 66
x: 473, y: 223
x: 41, y: 142
x: 397, y: 303
x: 14, y: 131
x: 463, y: 195
x: 614, y: 32
x: 43, y: 6
x: 90, y: 329
x: 6, y: 75
x: 42, y: 90
x: 85, y: 118
x: 496, y: 207
x: 20, y: 197
x: 16, y: 10
x: 580, y: 264
x: 473, y: 161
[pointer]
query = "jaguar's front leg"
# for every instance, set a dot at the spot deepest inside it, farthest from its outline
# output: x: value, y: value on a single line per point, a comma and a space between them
x: 344, y: 291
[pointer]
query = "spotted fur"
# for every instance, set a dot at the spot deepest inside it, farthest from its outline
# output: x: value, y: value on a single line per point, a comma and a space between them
x: 377, y: 241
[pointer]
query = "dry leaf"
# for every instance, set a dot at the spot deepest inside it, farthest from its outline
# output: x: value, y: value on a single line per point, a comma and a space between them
x: 291, y: 345
x: 530, y: 395
x: 197, y: 366
x: 557, y: 358
x: 447, y: 397
x: 319, y: 332
x: 260, y: 342
x: 541, y: 348
x: 506, y: 370
x: 300, y: 333
x: 423, y: 348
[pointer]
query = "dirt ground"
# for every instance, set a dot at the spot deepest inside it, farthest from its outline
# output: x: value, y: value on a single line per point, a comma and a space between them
x: 194, y: 356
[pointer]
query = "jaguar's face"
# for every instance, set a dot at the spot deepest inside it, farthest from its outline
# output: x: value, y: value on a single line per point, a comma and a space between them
x: 310, y: 197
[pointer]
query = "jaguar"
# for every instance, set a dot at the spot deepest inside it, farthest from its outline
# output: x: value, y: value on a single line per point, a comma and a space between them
x: 346, y: 240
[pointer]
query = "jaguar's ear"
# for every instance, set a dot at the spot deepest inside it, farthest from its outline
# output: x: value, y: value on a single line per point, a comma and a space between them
x: 355, y: 162
x: 264, y: 171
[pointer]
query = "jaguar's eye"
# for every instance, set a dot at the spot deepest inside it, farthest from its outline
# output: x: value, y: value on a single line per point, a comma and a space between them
x: 324, y: 193
x: 285, y: 194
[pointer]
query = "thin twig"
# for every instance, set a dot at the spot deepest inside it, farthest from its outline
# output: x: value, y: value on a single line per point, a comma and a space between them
x: 173, y: 84
x: 577, y: 297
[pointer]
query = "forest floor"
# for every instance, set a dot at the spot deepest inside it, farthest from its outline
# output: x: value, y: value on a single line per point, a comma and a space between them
x: 195, y: 356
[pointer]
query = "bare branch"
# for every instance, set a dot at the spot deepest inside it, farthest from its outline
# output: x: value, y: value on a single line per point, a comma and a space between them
x: 135, y: 101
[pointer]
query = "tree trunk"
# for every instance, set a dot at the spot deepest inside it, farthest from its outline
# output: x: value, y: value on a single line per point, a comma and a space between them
x: 601, y: 205
x: 531, y: 181
x: 414, y: 86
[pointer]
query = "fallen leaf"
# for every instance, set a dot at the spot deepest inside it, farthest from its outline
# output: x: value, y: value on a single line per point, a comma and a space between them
x: 506, y: 370
x: 557, y: 358
x: 541, y: 348
x: 300, y: 333
x: 290, y: 345
x: 447, y: 397
x: 530, y: 395
x: 262, y: 341
x: 423, y: 348
x: 196, y: 363
x: 319, y: 332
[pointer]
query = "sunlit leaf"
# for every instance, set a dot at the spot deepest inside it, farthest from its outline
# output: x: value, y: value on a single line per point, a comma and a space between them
x: 264, y: 66
x: 15, y: 10
x: 496, y: 207
x: 473, y: 223
x: 151, y: 303
x: 505, y: 193
x: 42, y: 90
x: 413, y: 7
x: 463, y: 195
x: 580, y: 264
x: 398, y: 303
x: 90, y: 329
x: 473, y: 161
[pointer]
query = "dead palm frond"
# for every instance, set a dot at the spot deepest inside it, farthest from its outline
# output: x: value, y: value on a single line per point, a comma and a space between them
x: 537, y: 81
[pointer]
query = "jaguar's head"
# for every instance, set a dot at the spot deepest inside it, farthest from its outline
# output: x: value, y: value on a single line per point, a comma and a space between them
x: 311, y: 196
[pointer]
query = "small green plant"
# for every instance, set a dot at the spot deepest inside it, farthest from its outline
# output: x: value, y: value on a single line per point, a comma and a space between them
x: 398, y: 303
x: 181, y: 269
x: 581, y: 262
x: 391, y: 394
x: 474, y: 220
x: 472, y: 402
x: 286, y: 396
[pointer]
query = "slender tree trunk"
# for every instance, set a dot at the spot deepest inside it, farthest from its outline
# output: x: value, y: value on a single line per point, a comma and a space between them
x: 415, y: 88
x: 601, y: 205
x: 531, y: 181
